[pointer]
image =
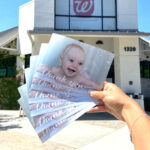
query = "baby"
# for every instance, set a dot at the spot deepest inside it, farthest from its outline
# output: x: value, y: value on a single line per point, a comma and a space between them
x: 72, y: 60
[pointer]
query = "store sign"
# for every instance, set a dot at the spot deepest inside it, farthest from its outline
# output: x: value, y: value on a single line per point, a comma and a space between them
x: 83, y: 7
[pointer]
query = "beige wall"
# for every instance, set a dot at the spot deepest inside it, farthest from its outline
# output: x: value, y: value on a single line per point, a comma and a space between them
x: 107, y: 42
x: 39, y: 39
x: 127, y: 65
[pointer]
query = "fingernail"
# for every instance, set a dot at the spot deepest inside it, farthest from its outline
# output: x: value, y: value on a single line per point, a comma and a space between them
x: 90, y: 93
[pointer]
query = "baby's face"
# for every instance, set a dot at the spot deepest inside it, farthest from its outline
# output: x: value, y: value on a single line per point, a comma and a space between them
x: 72, y: 61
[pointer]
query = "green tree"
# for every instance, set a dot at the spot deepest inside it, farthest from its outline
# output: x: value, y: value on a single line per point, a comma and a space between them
x: 9, y: 93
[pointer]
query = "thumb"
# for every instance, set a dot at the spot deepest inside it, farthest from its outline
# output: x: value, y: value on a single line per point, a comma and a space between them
x: 97, y: 94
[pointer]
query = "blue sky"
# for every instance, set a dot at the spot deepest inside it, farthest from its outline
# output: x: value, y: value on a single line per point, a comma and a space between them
x: 9, y: 11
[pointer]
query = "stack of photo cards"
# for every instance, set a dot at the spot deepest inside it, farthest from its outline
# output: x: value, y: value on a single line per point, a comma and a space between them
x: 58, y: 82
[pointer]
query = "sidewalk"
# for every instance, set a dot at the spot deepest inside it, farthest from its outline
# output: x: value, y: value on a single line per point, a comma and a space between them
x: 89, y: 132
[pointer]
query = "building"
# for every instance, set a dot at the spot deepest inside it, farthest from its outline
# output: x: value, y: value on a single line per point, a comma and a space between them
x: 144, y: 45
x: 9, y: 51
x: 11, y: 60
x: 108, y: 24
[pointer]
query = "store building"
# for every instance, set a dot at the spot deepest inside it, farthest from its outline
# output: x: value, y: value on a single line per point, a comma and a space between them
x: 9, y: 52
x: 108, y: 24
x: 144, y: 45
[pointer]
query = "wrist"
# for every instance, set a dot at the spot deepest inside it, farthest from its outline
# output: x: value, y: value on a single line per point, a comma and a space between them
x: 131, y: 110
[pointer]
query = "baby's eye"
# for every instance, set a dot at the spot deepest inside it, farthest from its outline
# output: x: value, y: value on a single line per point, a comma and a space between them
x: 80, y: 63
x: 71, y: 60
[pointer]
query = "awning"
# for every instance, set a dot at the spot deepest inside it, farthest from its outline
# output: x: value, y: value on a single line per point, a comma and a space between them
x: 90, y: 33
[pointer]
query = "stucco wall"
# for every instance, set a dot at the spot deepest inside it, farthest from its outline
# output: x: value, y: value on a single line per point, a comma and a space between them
x: 107, y: 42
x: 127, y: 68
x: 26, y: 22
x: 39, y: 39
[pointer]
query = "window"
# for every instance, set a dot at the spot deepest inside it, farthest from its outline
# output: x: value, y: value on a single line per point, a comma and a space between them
x: 27, y: 60
x: 7, y: 65
x: 145, y: 69
x: 86, y: 15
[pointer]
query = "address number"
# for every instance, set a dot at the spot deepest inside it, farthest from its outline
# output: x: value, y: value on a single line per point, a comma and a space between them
x: 130, y: 49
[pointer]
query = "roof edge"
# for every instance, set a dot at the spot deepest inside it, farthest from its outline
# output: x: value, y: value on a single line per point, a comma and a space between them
x: 100, y: 33
x: 147, y: 42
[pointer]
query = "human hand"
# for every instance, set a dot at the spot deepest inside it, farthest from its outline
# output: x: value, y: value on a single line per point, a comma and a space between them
x: 111, y: 99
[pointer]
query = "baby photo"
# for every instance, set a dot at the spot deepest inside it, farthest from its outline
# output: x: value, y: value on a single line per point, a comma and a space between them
x: 70, y: 71
x: 63, y: 75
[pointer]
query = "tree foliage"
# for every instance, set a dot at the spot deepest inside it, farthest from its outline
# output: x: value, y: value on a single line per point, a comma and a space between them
x: 9, y: 93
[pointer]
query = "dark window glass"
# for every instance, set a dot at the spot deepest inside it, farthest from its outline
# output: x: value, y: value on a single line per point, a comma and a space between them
x: 111, y: 72
x: 145, y: 69
x: 7, y: 66
x: 27, y: 60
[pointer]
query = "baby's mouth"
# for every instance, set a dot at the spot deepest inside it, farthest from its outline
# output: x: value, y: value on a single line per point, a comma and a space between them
x: 70, y: 70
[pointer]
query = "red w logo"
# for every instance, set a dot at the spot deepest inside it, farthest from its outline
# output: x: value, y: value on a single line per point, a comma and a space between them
x: 83, y: 7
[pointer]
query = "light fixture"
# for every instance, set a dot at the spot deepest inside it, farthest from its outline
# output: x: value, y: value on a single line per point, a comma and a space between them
x: 81, y: 41
x: 99, y: 42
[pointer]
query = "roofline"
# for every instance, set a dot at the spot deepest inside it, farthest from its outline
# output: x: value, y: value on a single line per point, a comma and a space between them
x: 10, y: 29
x: 13, y: 36
x: 89, y: 33
x: 9, y: 40
x: 147, y: 42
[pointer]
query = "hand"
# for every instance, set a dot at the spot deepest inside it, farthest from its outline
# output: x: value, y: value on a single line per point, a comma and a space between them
x: 111, y: 99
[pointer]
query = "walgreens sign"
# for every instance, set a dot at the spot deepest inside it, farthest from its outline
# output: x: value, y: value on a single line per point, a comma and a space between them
x: 83, y: 7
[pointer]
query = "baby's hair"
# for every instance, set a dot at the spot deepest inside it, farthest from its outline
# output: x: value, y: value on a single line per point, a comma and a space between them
x: 67, y: 48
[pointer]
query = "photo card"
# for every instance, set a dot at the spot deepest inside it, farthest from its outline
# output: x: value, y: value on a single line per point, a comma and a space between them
x: 59, y: 81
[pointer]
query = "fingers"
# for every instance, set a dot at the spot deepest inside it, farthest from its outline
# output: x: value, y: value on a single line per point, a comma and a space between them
x: 101, y: 103
x: 105, y: 82
x: 97, y: 109
x: 97, y: 95
x: 107, y: 86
